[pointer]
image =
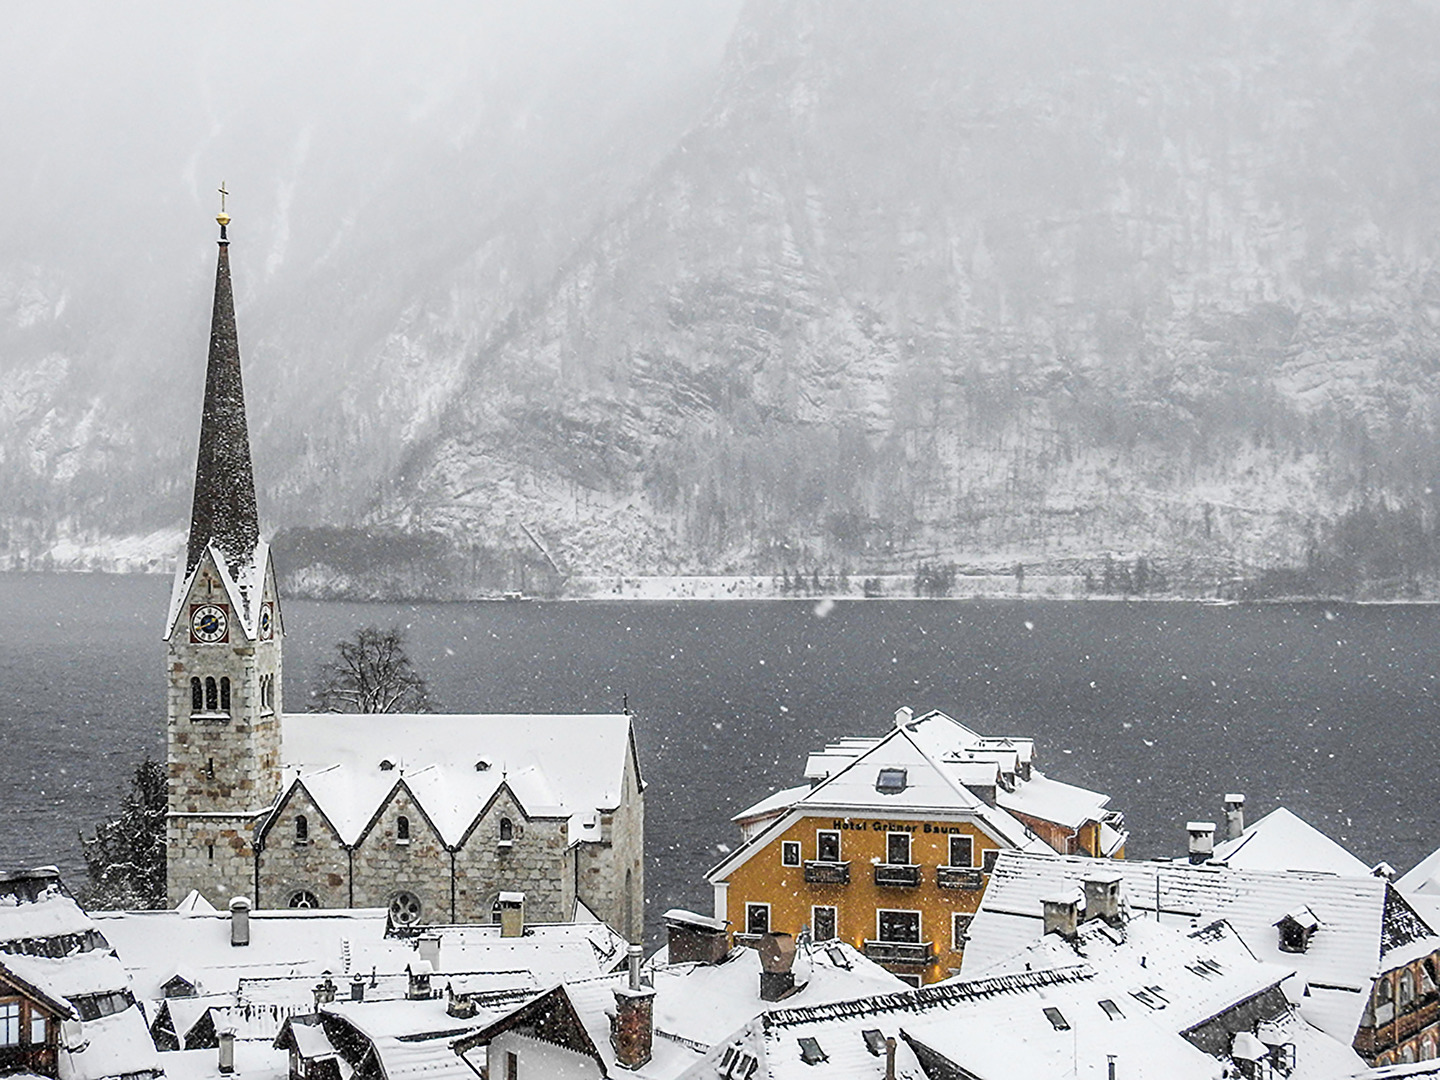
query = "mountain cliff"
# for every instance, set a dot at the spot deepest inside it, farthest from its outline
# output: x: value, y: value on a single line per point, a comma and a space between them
x: 896, y: 286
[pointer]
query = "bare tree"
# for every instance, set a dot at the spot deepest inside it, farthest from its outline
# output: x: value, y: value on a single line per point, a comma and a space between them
x: 371, y: 673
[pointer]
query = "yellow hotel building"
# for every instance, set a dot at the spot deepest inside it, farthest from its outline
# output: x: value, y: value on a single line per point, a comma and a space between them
x: 890, y: 844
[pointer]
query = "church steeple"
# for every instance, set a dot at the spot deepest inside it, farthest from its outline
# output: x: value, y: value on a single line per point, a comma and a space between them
x: 224, y: 509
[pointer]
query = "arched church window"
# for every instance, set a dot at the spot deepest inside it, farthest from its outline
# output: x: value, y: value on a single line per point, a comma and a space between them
x: 224, y: 694
x: 507, y: 830
x: 302, y: 832
x: 404, y: 909
x: 402, y: 829
x: 197, y: 695
x: 304, y: 898
x: 210, y: 695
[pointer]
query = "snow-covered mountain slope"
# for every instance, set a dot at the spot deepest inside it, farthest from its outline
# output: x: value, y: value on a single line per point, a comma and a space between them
x: 920, y: 282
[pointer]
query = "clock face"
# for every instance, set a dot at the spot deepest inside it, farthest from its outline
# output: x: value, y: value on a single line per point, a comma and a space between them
x: 208, y: 623
x: 267, y: 621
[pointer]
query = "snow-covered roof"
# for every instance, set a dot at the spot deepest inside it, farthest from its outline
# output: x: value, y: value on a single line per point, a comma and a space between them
x: 291, y: 948
x: 569, y: 766
x: 1364, y: 925
x: 1282, y: 841
x: 775, y: 803
x: 254, y: 1060
x: 1423, y: 877
x: 93, y: 972
x: 413, y: 1039
x: 52, y: 915
x: 114, y: 1045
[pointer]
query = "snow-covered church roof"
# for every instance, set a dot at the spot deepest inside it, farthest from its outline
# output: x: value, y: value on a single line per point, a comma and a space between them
x: 1282, y: 841
x: 555, y: 766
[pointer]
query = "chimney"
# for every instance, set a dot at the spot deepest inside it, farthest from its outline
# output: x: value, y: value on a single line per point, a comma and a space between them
x: 632, y: 1029
x: 240, y: 921
x: 357, y: 988
x: 1102, y: 897
x: 904, y: 715
x: 512, y: 914
x: 324, y: 991
x: 890, y: 1059
x: 428, y: 946
x: 227, y: 1050
x: 419, y: 986
x: 777, y: 960
x: 1234, y: 816
x: 1062, y: 916
x: 1202, y: 840
x: 694, y: 939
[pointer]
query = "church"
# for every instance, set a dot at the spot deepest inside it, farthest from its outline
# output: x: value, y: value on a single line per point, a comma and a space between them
x: 431, y: 816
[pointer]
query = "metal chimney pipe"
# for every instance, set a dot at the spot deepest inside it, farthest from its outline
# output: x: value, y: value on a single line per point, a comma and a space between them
x: 227, y: 1050
x: 240, y: 921
x: 632, y: 958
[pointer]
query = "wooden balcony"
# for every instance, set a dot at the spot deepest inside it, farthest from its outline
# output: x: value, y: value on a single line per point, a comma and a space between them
x: 901, y: 952
x: 959, y: 877
x: 826, y: 873
x: 897, y: 875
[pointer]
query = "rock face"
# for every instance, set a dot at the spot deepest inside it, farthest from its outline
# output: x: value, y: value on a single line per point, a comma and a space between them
x: 935, y: 281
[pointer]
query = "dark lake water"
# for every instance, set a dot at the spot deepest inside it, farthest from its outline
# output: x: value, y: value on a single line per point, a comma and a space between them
x: 1329, y: 709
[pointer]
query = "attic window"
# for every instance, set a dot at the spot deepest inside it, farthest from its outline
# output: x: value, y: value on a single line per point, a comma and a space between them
x: 810, y: 1051
x: 1111, y: 1009
x: 874, y: 1041
x: 891, y: 781
x: 1057, y: 1019
x: 386, y: 765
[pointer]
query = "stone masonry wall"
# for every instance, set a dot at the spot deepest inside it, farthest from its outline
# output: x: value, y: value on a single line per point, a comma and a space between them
x: 536, y: 863
x: 386, y: 865
x: 320, y: 865
x: 212, y: 854
x: 603, y: 866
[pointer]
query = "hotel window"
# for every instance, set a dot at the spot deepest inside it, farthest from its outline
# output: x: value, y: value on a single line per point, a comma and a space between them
x: 988, y: 859
x: 827, y: 846
x: 822, y: 919
x: 10, y: 1023
x: 897, y: 848
x: 757, y: 918
x: 962, y: 851
x: 790, y: 853
x: 901, y: 926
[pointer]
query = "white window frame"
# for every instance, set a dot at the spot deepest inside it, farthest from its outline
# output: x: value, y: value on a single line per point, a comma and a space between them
x: 839, y: 845
x: 909, y: 847
x: 787, y: 848
x: 769, y: 926
x: 957, y: 940
x: 919, y: 924
x: 834, y: 919
x: 950, y: 849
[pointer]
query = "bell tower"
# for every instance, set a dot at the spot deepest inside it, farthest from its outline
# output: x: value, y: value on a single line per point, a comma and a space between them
x: 223, y: 644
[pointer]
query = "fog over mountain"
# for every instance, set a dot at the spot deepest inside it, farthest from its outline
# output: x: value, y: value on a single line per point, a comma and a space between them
x: 789, y: 285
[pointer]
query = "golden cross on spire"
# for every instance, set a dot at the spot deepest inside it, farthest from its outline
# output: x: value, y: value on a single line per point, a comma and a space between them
x: 223, y: 218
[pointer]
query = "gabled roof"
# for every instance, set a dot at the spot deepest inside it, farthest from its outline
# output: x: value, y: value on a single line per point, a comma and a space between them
x: 1282, y: 841
x: 1423, y: 877
x: 1361, y: 925
x: 929, y: 790
x: 47, y: 997
x: 555, y: 766
x: 244, y: 582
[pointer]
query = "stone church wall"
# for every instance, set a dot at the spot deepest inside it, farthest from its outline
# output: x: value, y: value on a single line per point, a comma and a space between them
x: 535, y: 863
x: 319, y: 865
x: 212, y: 854
x: 386, y: 865
x: 612, y: 875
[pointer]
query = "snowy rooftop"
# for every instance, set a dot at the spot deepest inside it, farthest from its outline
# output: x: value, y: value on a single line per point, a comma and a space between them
x: 1360, y: 918
x: 555, y: 765
x: 254, y: 1060
x: 1423, y: 877
x: 413, y: 1039
x: 1282, y: 841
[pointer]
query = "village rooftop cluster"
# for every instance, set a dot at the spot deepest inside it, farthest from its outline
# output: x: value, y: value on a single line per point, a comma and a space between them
x: 439, y: 897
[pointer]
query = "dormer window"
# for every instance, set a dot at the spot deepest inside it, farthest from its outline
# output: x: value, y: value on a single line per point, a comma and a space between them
x: 891, y: 781
x: 482, y: 765
x: 402, y: 829
x: 387, y: 765
x: 1296, y: 928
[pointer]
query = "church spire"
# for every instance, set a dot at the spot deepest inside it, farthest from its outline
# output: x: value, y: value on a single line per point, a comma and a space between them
x: 224, y: 510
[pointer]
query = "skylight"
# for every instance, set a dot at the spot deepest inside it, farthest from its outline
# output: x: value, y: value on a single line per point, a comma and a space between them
x: 838, y: 957
x: 1111, y: 1009
x: 891, y: 781
x: 874, y: 1041
x: 1057, y: 1019
x: 810, y: 1052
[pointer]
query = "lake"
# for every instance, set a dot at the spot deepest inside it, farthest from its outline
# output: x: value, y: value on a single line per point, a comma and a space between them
x: 1329, y: 709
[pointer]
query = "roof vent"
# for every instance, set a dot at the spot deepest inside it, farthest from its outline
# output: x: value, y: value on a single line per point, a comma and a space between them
x: 386, y: 765
x: 482, y: 765
x: 891, y: 781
